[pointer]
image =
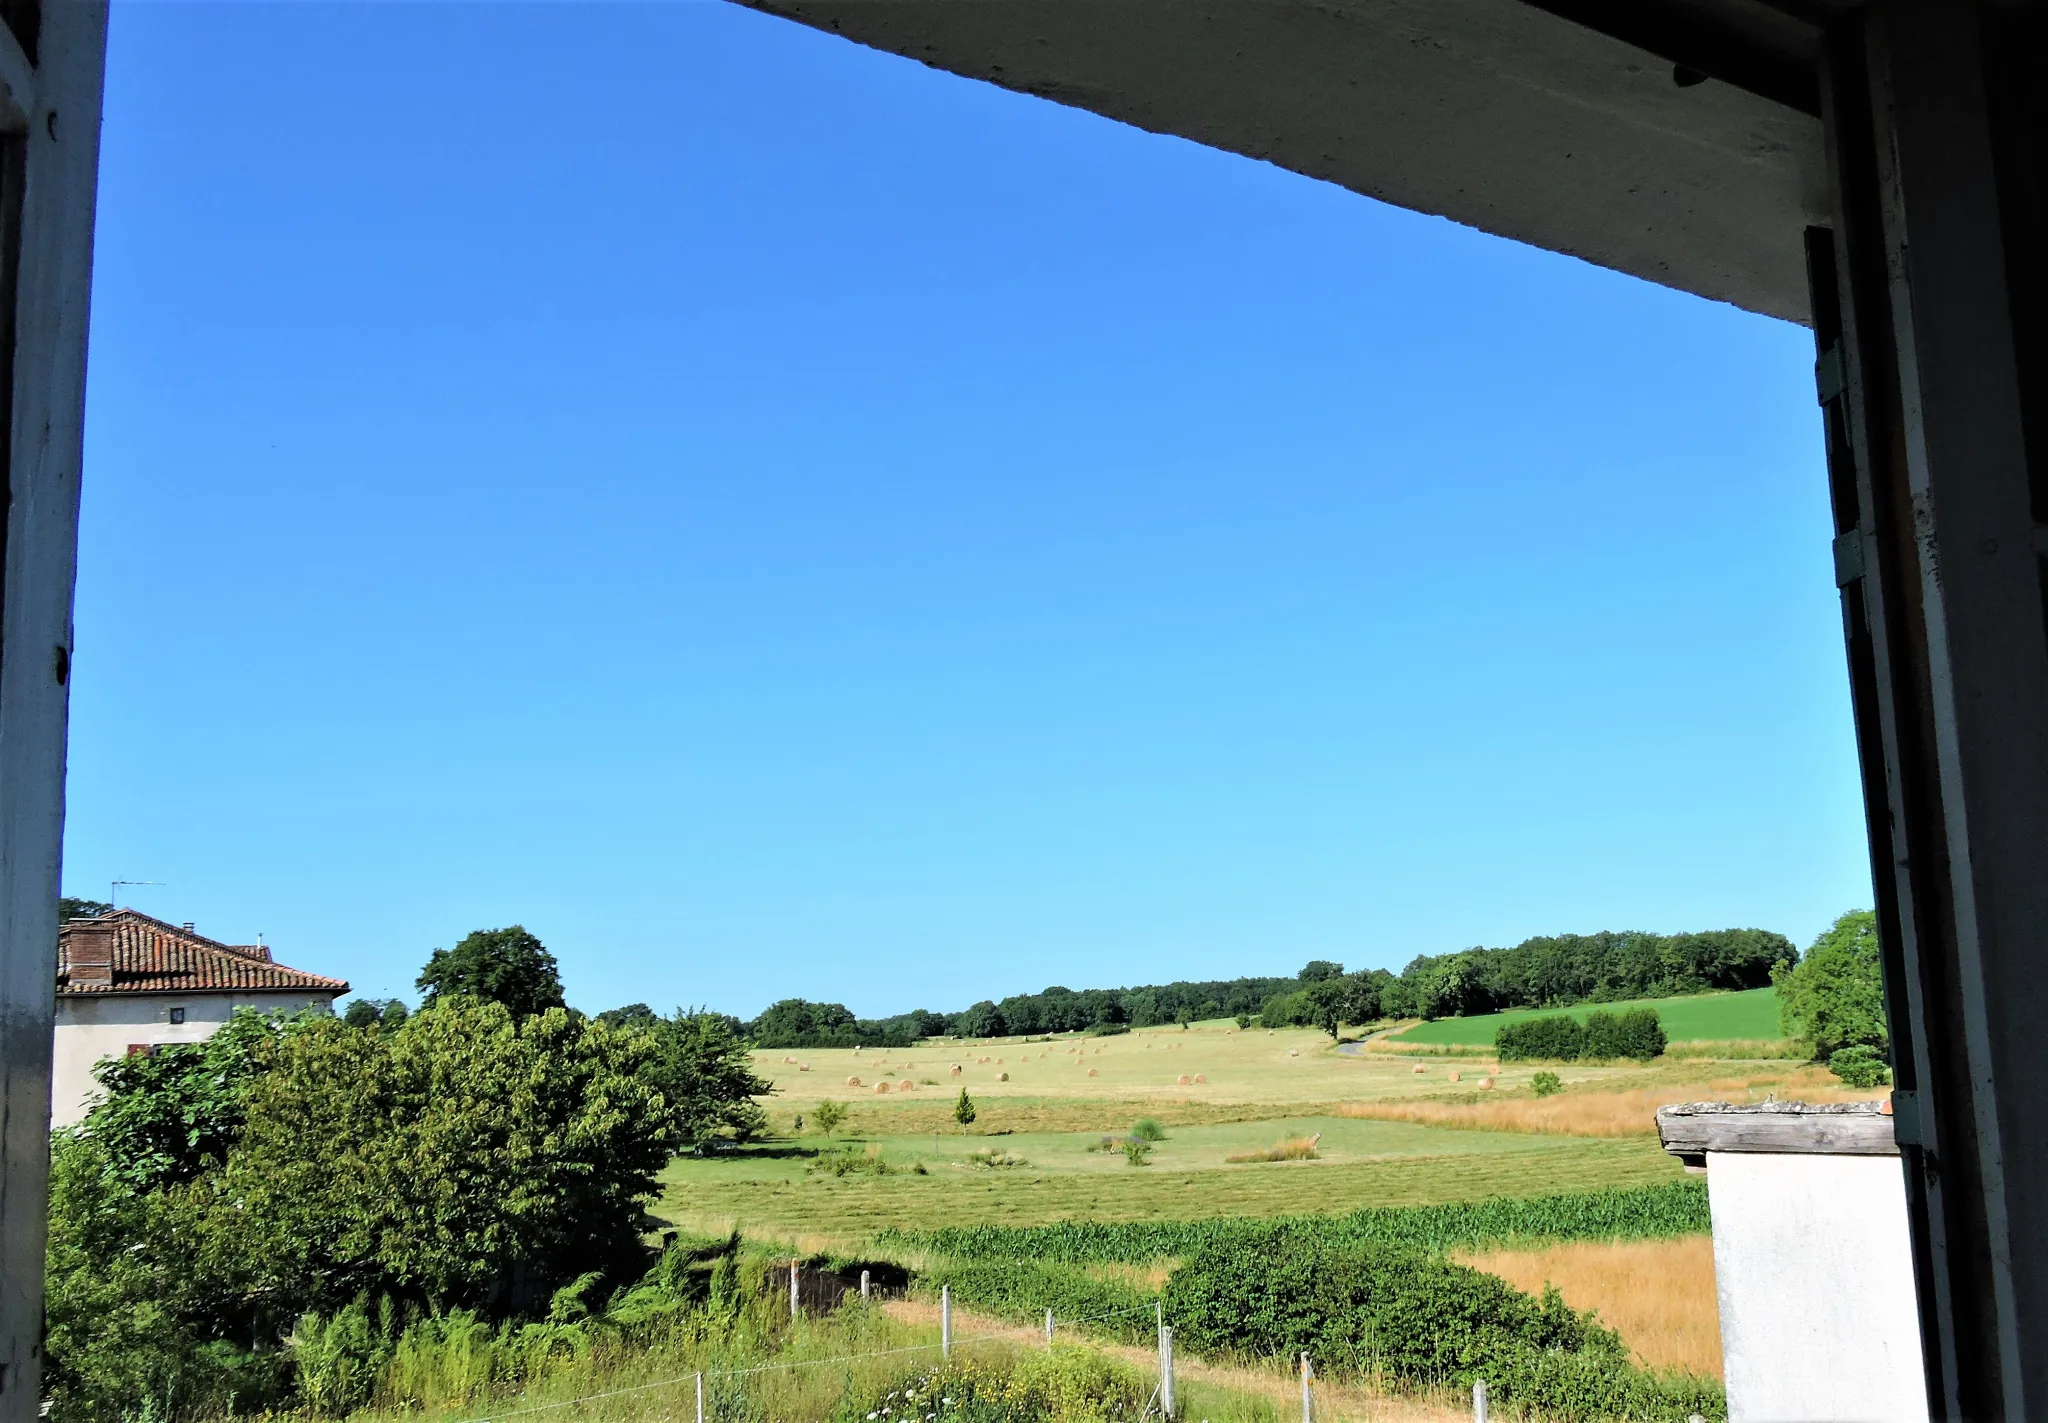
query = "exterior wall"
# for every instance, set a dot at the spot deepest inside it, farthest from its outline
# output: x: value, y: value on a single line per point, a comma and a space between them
x: 92, y: 1027
x: 1814, y: 1269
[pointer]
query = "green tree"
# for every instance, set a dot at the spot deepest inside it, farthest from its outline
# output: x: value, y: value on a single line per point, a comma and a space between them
x: 706, y: 1077
x: 470, y: 1160
x: 165, y: 1117
x: 69, y: 909
x: 1834, y: 997
x: 394, y: 1015
x: 963, y: 1110
x: 829, y: 1116
x: 364, y: 1013
x: 508, y: 966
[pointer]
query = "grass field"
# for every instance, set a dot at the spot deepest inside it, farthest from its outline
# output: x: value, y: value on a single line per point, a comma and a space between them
x: 1703, y: 1017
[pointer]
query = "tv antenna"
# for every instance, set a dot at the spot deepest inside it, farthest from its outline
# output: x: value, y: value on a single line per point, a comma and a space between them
x: 114, y: 886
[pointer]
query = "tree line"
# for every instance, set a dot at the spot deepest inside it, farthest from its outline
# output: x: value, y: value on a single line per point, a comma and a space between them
x: 1550, y: 971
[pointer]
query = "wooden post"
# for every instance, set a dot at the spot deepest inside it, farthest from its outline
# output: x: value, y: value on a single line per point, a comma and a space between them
x: 1166, y: 1371
x: 1048, y: 1326
x: 946, y: 1321
x: 864, y: 1286
x: 1307, y: 1405
x: 700, y: 1398
x: 794, y: 1307
x: 1479, y: 1401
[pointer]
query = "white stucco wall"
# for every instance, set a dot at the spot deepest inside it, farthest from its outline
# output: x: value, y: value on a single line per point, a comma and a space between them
x: 1814, y: 1270
x: 91, y: 1027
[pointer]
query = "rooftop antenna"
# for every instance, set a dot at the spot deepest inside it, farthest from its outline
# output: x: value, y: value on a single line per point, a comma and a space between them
x: 114, y: 886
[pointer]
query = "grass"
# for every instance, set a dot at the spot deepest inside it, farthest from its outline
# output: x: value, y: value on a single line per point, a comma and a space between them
x: 1657, y: 1294
x: 1297, y: 1148
x: 1750, y: 1015
x: 1602, y: 1113
x: 835, y: 1213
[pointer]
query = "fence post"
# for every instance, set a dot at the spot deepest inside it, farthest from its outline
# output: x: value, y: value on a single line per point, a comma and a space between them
x: 1048, y: 1326
x: 863, y: 1286
x: 1479, y: 1401
x: 945, y: 1321
x: 792, y: 1290
x: 1166, y: 1370
x: 700, y: 1398
x: 1307, y: 1406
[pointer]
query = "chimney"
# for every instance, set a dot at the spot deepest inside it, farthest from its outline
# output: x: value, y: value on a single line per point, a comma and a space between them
x: 186, y: 926
x: 89, y: 953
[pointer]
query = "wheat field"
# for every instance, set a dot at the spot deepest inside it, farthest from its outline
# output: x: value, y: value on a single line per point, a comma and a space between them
x: 1658, y: 1295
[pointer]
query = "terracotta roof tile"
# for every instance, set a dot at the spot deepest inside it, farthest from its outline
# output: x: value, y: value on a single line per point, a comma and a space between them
x: 127, y: 952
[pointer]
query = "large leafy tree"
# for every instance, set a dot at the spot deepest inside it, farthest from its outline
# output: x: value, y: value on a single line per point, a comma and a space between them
x: 163, y: 1118
x: 508, y: 966
x: 471, y: 1159
x: 1834, y: 997
x: 706, y: 1077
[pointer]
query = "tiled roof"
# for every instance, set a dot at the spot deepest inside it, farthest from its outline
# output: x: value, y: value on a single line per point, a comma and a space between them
x: 150, y: 956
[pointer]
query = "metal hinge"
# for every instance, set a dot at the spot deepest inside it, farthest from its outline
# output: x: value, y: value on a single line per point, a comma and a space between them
x: 1829, y: 378
x: 1848, y: 558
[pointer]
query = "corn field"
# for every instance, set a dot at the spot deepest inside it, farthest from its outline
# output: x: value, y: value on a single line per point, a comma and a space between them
x: 1640, y: 1213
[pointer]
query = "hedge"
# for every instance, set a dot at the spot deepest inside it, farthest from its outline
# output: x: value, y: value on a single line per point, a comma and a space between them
x: 1636, y: 1033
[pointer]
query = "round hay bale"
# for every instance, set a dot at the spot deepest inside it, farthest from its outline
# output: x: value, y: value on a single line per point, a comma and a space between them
x: 881, y: 1086
x: 1486, y: 1084
x: 1294, y: 1052
x: 1420, y: 1069
x: 999, y: 1062
x: 803, y: 1067
x: 853, y: 1082
x: 1456, y: 1076
x: 954, y: 1069
x: 906, y: 1085
x: 1201, y: 1077
x: 789, y: 1059
x: 1002, y: 1077
x: 1183, y: 1081
x: 1091, y: 1072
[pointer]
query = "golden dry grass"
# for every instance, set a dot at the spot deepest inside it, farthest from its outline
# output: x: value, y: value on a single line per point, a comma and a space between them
x: 1629, y: 1113
x: 1295, y: 1148
x: 1657, y: 1294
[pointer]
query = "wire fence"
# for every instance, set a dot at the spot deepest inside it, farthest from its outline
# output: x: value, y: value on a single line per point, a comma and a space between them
x: 789, y: 1365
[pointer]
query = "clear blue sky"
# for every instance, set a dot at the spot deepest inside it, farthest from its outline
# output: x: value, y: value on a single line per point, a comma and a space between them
x: 774, y: 519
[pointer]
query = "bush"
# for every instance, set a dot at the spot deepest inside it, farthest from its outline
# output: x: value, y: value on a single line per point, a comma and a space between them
x: 1636, y: 1033
x: 1546, y: 1084
x: 1108, y: 1030
x: 1137, y: 1152
x: 1026, y: 1289
x: 1559, y: 1039
x: 828, y: 1117
x: 1860, y: 1066
x: 1363, y: 1310
x: 1148, y: 1129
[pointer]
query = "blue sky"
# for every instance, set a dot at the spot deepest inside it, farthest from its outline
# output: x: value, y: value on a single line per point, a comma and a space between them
x: 774, y: 519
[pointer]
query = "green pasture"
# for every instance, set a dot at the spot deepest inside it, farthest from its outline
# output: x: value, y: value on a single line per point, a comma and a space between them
x: 1701, y: 1017
x: 767, y: 1191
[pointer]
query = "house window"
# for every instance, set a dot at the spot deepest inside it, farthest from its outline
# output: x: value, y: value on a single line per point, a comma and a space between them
x: 177, y: 1015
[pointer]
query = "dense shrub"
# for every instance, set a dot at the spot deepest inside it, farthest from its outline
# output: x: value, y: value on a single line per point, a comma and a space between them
x: 1860, y: 1066
x: 1546, y: 1084
x: 1558, y: 1039
x: 1636, y: 1033
x: 1414, y: 1317
x: 1026, y: 1289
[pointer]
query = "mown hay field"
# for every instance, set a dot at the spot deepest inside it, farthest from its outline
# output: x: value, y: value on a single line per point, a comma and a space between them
x: 708, y: 1197
x: 1749, y: 1016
